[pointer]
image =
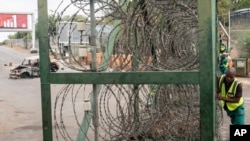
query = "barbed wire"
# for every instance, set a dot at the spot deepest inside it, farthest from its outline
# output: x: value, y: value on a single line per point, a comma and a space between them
x: 171, y: 111
x: 157, y: 38
x: 144, y: 36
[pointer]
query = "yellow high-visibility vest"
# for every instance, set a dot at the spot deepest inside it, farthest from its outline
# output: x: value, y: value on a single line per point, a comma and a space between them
x: 222, y: 48
x: 231, y: 93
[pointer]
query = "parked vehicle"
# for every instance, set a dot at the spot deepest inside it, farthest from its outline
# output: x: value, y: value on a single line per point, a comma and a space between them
x: 29, y: 68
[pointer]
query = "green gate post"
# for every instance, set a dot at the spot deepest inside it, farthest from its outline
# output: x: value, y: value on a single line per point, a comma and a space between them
x: 45, y: 70
x: 207, y: 45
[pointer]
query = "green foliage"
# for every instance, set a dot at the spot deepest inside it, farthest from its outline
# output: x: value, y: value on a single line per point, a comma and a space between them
x: 242, y: 4
x: 223, y: 7
x: 20, y: 35
x: 244, y: 38
x: 3, y: 42
x: 230, y: 5
x: 12, y: 36
x: 74, y: 18
x: 244, y: 41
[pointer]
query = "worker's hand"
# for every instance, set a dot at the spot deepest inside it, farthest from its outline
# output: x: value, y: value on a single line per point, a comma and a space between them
x: 219, y: 97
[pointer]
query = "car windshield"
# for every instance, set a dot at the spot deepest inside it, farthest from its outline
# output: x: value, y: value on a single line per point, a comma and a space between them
x: 28, y: 61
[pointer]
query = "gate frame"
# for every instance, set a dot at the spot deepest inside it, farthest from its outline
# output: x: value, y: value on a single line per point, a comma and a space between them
x: 205, y: 77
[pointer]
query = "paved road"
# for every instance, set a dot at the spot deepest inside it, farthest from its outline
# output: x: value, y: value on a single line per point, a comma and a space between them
x: 19, y: 101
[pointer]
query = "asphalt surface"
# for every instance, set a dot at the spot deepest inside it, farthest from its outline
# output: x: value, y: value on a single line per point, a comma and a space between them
x: 20, y: 103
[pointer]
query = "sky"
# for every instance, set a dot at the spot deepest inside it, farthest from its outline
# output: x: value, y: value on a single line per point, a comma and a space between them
x: 27, y: 6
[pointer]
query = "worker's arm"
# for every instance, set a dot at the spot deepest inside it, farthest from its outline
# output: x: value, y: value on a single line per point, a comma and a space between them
x: 236, y: 99
x: 228, y: 99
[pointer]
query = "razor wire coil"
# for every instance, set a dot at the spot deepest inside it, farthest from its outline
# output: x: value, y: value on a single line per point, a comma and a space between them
x: 144, y: 36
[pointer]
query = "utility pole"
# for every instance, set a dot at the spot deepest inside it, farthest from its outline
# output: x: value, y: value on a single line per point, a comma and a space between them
x: 33, y: 32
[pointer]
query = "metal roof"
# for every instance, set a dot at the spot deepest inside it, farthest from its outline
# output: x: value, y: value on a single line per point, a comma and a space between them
x: 240, y: 11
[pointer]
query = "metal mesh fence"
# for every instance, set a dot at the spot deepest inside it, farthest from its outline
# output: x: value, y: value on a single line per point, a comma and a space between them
x: 142, y: 35
x: 240, y: 32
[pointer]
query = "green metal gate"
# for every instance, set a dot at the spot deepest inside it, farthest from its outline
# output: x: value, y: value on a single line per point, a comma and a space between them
x: 204, y: 77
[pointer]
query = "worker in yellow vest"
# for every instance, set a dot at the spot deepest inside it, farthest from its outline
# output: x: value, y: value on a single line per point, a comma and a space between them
x: 223, y: 48
x: 229, y: 92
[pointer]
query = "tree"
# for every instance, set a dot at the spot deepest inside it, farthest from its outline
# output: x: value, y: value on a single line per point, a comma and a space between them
x: 241, y: 4
x: 230, y: 5
x: 242, y: 38
x: 74, y: 18
x: 223, y: 7
x: 11, y: 36
x: 20, y: 35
